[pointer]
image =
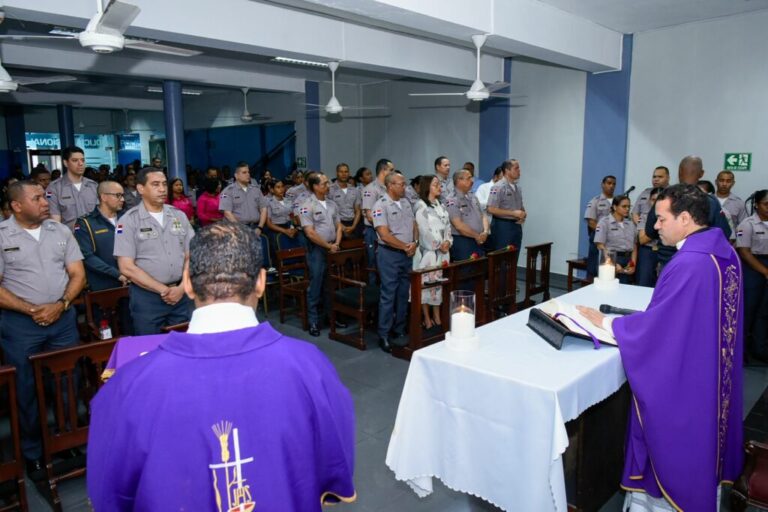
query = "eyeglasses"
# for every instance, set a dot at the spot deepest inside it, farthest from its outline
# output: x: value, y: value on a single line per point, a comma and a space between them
x: 118, y: 195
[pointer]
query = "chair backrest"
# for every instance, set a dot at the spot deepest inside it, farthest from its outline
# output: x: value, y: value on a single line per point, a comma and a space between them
x: 349, y: 264
x: 11, y: 464
x: 417, y: 335
x: 352, y: 243
x: 107, y: 301
x: 502, y: 280
x: 265, y: 252
x: 470, y: 275
x: 292, y: 263
x: 285, y: 242
x: 182, y: 327
x: 68, y: 378
x: 537, y: 282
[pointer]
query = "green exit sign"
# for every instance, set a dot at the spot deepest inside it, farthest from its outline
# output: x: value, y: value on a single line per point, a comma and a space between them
x: 301, y: 162
x: 738, y: 162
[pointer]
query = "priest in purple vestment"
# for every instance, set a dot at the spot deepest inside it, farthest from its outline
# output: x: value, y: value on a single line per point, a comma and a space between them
x: 682, y: 357
x: 229, y: 416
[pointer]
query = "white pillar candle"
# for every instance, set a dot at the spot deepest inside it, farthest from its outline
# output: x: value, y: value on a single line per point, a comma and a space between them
x: 462, y: 324
x: 606, y: 272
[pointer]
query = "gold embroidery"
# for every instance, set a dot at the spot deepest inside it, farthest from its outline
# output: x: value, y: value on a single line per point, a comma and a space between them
x: 238, y: 494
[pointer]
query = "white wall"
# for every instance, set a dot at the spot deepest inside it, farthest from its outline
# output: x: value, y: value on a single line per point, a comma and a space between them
x: 700, y: 88
x: 341, y: 136
x: 547, y: 136
x: 416, y: 130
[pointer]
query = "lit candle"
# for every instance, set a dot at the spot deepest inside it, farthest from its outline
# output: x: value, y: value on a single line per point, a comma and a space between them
x: 606, y: 272
x: 463, y: 323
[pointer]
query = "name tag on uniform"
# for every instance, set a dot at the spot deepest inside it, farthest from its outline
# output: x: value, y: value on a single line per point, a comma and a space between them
x: 759, y: 232
x: 11, y: 249
x: 318, y: 213
x: 147, y: 233
x: 66, y: 197
x: 614, y: 229
x: 101, y: 231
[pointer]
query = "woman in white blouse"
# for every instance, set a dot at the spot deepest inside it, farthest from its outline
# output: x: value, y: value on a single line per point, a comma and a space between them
x: 434, y: 244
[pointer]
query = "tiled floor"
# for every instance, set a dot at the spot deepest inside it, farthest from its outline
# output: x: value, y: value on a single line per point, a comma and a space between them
x: 376, y: 381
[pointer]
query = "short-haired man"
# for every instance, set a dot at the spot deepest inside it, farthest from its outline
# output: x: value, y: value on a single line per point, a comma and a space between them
x: 443, y: 172
x: 505, y: 204
x: 371, y: 193
x: 597, y: 208
x: 157, y: 162
x: 41, y: 272
x: 690, y: 171
x: 398, y: 235
x: 243, y: 202
x: 469, y: 225
x: 41, y: 176
x: 230, y: 415
x: 729, y: 202
x: 151, y: 246
x: 73, y: 195
x: 642, y: 206
x: 349, y: 200
x: 682, y: 357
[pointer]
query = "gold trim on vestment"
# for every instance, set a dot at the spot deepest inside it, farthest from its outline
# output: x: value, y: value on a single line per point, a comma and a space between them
x: 342, y: 499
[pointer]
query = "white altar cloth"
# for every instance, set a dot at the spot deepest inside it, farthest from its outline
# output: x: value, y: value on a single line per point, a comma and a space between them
x: 492, y: 422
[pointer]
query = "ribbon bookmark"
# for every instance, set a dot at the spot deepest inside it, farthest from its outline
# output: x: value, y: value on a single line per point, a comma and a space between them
x: 594, y: 339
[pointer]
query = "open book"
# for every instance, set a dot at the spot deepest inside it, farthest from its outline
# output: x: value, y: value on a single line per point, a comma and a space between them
x: 569, y: 316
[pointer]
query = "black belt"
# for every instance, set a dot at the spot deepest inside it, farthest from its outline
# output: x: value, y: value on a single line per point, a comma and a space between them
x: 624, y: 253
x: 381, y: 246
x: 253, y: 225
x: 503, y: 219
x: 347, y: 222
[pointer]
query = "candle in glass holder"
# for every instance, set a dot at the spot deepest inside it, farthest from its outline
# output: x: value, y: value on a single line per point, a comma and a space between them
x: 606, y: 272
x: 462, y: 314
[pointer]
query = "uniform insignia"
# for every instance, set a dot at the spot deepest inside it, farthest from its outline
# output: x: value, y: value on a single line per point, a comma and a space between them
x: 597, y: 229
x: 98, y: 231
x: 11, y: 249
x: 48, y: 194
x: 367, y: 193
x: 119, y: 229
x: 494, y: 192
x: 450, y: 202
x: 377, y: 213
x: 224, y: 195
x: 77, y: 227
x: 304, y: 210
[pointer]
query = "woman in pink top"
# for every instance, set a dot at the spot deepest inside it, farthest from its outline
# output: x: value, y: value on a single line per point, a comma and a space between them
x: 179, y: 199
x: 208, y: 202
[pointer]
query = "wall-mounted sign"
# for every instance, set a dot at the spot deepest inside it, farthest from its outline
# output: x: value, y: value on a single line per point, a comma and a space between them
x: 738, y: 162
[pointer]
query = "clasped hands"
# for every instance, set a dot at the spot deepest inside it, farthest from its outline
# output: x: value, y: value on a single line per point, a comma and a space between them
x: 46, y: 314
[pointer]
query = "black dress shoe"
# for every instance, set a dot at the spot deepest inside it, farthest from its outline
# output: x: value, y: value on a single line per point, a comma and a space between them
x: 340, y: 325
x: 384, y: 345
x: 314, y: 330
x: 36, y: 469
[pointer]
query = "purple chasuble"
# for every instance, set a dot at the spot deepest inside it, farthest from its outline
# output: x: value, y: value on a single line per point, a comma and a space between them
x: 682, y: 357
x: 129, y: 348
x: 234, y: 421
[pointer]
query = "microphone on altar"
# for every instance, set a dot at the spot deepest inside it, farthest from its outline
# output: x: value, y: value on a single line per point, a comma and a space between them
x: 628, y: 191
x: 607, y: 309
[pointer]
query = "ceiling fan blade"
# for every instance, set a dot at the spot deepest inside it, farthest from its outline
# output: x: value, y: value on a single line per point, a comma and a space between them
x: 503, y: 95
x: 347, y: 107
x: 148, y: 46
x: 41, y: 80
x: 17, y: 37
x: 118, y: 16
x: 496, y: 86
x: 436, y: 94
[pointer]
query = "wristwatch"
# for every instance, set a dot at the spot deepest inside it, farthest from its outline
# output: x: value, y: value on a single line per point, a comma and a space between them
x: 65, y: 302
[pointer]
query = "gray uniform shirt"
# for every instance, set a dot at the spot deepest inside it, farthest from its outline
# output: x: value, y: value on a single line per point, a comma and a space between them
x: 278, y: 212
x: 346, y: 199
x: 323, y: 218
x: 293, y: 193
x: 371, y: 194
x: 735, y: 208
x: 506, y: 196
x: 396, y: 215
x: 132, y: 198
x: 598, y: 207
x: 446, y: 187
x: 36, y: 271
x: 466, y: 208
x: 244, y: 204
x: 618, y: 236
x: 642, y: 206
x: 157, y: 250
x: 66, y: 201
x: 752, y: 233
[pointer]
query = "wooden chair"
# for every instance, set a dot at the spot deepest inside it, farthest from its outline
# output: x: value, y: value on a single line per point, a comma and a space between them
x: 269, y: 265
x: 751, y: 489
x: 351, y: 295
x: 182, y: 327
x: 12, y: 466
x: 285, y: 242
x: 352, y: 243
x: 108, y: 301
x: 466, y: 274
x: 502, y: 283
x: 533, y: 284
x: 293, y: 276
x: 573, y: 266
x: 67, y: 379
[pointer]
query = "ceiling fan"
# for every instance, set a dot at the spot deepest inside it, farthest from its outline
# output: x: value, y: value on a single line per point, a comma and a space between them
x: 10, y: 84
x: 104, y: 32
x: 246, y: 116
x: 478, y: 91
x: 333, y: 106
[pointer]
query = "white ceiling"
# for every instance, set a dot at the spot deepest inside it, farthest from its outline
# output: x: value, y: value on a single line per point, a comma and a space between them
x: 632, y: 16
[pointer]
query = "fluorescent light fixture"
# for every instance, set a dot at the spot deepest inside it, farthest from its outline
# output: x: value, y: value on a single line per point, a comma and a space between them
x: 287, y: 60
x: 185, y: 91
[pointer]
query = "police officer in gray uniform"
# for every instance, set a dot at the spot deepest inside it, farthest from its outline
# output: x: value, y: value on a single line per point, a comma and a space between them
x: 443, y: 173
x: 469, y: 225
x: 660, y: 178
x: 41, y: 272
x: 322, y: 227
x: 151, y: 246
x: 371, y: 194
x: 729, y: 202
x: 618, y: 233
x: 597, y: 208
x: 243, y: 202
x: 72, y: 195
x: 348, y: 199
x: 505, y: 204
x: 398, y: 234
